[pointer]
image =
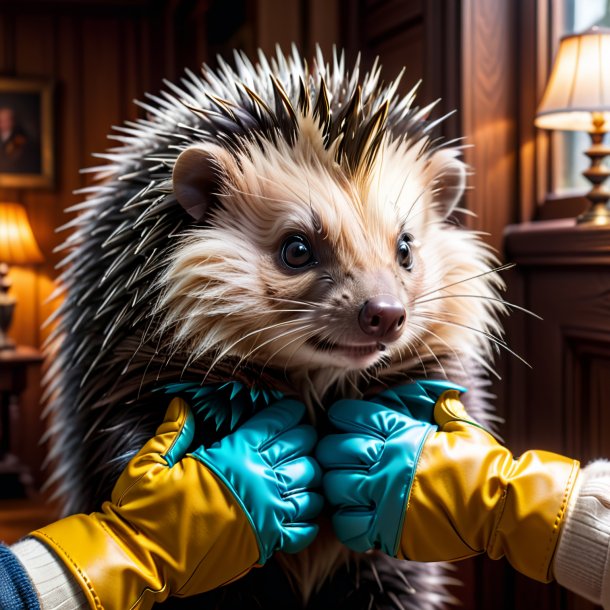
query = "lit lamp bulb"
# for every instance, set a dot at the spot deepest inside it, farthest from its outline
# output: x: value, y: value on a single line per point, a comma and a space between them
x: 577, y: 98
x: 17, y: 247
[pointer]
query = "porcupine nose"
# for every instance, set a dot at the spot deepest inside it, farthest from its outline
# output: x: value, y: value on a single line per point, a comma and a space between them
x: 382, y: 317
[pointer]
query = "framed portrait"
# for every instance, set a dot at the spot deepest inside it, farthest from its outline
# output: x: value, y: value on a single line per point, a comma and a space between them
x: 26, y: 133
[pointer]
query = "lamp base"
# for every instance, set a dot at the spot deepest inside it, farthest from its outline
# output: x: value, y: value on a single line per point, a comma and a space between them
x: 6, y: 343
x: 7, y: 306
x: 597, y: 214
x: 596, y: 174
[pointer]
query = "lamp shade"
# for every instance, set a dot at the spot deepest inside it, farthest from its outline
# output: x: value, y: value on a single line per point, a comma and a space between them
x: 579, y: 85
x: 17, y: 243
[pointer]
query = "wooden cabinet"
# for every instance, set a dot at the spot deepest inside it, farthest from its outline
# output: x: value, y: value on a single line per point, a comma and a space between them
x: 15, y: 476
x: 562, y: 403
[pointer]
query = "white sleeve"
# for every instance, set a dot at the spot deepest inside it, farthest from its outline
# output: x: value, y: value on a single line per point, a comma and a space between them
x: 582, y: 558
x: 56, y: 587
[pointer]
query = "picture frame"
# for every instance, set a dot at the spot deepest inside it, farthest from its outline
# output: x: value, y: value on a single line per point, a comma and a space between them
x: 26, y: 133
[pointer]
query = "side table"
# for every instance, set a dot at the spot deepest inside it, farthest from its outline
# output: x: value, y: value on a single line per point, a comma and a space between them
x: 15, y: 477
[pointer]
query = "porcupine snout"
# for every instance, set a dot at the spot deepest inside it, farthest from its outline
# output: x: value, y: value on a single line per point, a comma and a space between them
x: 382, y: 317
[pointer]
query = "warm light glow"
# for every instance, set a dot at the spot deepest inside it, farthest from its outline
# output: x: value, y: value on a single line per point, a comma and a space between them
x: 579, y: 85
x: 17, y: 243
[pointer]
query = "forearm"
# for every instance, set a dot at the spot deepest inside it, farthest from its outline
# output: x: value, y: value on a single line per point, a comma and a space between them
x: 54, y: 585
x: 582, y: 560
x: 487, y: 503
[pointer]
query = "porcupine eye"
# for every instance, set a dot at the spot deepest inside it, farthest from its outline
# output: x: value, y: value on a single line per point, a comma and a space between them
x: 405, y: 256
x: 296, y: 252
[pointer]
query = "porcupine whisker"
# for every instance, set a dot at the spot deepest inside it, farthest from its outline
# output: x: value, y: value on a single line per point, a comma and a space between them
x: 195, y: 355
x: 455, y: 354
x: 317, y: 338
x: 230, y: 302
x: 261, y: 312
x: 327, y: 334
x: 227, y: 349
x: 451, y: 314
x: 304, y: 335
x: 223, y: 351
x: 303, y: 338
x: 424, y: 369
x: 271, y: 340
x: 414, y: 353
x: 440, y: 365
x: 485, y: 365
x: 296, y: 302
x: 353, y: 382
x: 495, y: 340
x: 503, y: 267
x: 437, y: 317
x: 435, y: 358
x: 275, y: 338
x: 381, y: 364
x: 478, y: 296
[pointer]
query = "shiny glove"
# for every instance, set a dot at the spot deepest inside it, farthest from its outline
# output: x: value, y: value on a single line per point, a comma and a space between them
x: 415, y: 477
x: 181, y: 524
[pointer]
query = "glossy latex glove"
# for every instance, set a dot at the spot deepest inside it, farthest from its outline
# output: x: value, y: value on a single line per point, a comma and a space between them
x: 182, y: 524
x: 414, y: 476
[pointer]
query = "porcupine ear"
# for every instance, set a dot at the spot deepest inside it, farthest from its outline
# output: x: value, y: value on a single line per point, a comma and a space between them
x: 447, y: 174
x: 196, y: 175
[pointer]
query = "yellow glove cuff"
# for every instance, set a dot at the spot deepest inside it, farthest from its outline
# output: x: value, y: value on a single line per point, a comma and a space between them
x: 470, y: 496
x: 167, y: 531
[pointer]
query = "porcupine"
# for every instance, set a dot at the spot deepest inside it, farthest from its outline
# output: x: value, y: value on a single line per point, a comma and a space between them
x: 289, y: 227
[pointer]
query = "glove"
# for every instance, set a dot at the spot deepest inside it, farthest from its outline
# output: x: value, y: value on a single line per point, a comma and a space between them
x: 183, y: 524
x: 414, y: 476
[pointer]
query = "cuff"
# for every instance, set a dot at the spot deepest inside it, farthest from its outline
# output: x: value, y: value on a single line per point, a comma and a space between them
x: 55, y: 585
x: 582, y: 560
x: 17, y: 592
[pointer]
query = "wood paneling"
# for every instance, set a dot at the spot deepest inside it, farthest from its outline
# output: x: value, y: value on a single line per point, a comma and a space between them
x: 560, y: 404
x: 279, y: 22
x: 489, y: 98
x: 100, y: 56
x: 422, y: 37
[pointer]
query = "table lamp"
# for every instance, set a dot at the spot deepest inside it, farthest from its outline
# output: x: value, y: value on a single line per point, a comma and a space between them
x: 17, y: 247
x: 577, y: 98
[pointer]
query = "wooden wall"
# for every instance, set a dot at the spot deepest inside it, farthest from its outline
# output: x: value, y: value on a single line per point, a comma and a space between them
x: 421, y: 36
x: 99, y: 56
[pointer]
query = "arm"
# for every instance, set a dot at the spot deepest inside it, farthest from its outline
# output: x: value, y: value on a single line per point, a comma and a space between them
x: 180, y: 524
x: 16, y: 589
x: 582, y: 560
x: 420, y: 480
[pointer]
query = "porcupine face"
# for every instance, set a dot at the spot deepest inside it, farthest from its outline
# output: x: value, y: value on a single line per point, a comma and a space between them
x: 303, y: 264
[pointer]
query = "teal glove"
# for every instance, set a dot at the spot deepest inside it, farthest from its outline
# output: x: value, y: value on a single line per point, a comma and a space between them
x: 370, y: 467
x: 265, y: 464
